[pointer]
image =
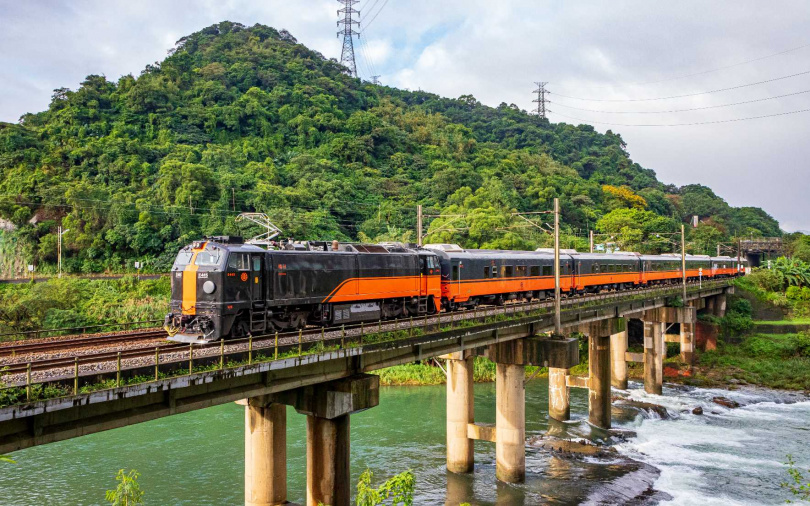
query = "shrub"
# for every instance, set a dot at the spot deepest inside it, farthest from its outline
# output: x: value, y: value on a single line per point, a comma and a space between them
x: 793, y: 293
x: 766, y: 279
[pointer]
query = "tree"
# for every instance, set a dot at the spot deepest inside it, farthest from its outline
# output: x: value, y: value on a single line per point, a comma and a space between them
x: 797, y: 485
x: 398, y: 488
x: 128, y: 492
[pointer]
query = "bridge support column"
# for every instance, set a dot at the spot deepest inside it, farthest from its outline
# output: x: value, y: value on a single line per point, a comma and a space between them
x: 720, y: 305
x: 559, y: 403
x: 328, y: 478
x: 653, y: 357
x: 265, y: 452
x: 328, y: 407
x: 460, y: 412
x: 510, y: 423
x: 618, y: 371
x: 687, y: 342
x: 599, y: 360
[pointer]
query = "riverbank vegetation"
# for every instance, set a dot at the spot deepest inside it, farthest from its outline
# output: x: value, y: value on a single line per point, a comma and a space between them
x: 74, y: 302
x: 240, y: 119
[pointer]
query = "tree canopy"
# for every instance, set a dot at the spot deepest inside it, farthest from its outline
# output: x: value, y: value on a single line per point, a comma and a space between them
x: 240, y: 119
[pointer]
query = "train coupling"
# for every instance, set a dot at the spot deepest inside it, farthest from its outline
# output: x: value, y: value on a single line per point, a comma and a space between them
x: 189, y: 329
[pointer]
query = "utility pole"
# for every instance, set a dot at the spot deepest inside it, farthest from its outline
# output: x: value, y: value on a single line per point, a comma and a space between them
x: 590, y: 233
x: 419, y: 225
x: 60, y: 233
x: 683, y: 261
x: 347, y: 53
x: 541, y: 99
x: 557, y: 323
x: 233, y: 199
x: 375, y: 80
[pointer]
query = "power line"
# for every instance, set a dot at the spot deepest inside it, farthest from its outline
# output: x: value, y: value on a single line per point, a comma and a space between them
x: 375, y: 16
x: 681, y: 110
x: 347, y: 53
x: 686, y: 124
x: 718, y: 68
x: 682, y: 96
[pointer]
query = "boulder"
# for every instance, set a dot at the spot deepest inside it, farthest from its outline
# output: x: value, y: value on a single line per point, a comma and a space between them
x: 725, y: 401
x: 697, y: 411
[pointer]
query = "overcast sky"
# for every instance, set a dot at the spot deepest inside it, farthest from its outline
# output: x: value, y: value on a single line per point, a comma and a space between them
x: 605, y: 50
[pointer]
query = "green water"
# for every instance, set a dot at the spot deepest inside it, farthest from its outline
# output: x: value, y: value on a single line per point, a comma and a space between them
x: 197, y: 458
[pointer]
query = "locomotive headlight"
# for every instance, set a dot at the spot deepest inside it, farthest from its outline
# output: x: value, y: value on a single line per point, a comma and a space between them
x: 209, y: 287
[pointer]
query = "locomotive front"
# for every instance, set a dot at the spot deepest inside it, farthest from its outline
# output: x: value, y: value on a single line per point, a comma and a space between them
x: 198, y: 281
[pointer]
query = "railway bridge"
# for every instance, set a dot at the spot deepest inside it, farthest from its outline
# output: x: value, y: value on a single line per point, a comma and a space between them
x: 330, y: 381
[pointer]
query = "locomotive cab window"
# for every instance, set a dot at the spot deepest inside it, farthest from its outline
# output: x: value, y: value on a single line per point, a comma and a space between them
x: 238, y: 261
x: 183, y: 258
x: 257, y: 264
x: 207, y: 258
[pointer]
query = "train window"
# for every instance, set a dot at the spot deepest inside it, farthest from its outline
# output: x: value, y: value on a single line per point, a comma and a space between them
x: 207, y: 258
x: 535, y: 270
x: 238, y: 261
x: 455, y: 273
x: 183, y: 258
x: 494, y: 272
x: 486, y: 272
x: 508, y: 271
x: 547, y: 270
x: 520, y: 271
x: 257, y: 264
x: 594, y: 268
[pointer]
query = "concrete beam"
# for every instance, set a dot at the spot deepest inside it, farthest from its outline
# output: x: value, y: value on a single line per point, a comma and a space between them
x: 537, y: 351
x: 634, y: 357
x: 482, y: 432
x: 338, y: 398
x: 577, y: 381
x: 685, y: 314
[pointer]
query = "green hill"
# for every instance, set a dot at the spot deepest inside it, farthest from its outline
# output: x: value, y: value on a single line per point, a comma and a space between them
x: 246, y: 119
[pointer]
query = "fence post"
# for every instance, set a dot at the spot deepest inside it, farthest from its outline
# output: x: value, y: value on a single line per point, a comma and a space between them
x: 221, y: 354
x: 28, y: 381
x: 342, y: 335
x: 362, y: 331
x: 190, y: 358
x: 275, y: 356
x: 118, y: 371
x: 410, y: 329
x: 250, y: 350
x: 76, y: 376
x: 157, y: 361
x: 379, y: 327
x: 300, y: 340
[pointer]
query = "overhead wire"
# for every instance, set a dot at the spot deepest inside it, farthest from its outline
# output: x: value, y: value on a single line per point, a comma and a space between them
x: 685, y: 124
x: 682, y: 110
x: 684, y: 95
x: 717, y: 69
x: 375, y: 16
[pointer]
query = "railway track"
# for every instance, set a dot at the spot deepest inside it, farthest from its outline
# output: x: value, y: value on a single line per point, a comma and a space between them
x: 53, y: 368
x: 23, y: 348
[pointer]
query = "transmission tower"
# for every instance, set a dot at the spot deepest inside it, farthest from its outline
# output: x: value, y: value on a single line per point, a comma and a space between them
x: 541, y: 99
x: 347, y: 54
x: 375, y: 80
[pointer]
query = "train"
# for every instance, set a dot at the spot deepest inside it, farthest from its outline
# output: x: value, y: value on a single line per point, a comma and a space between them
x: 224, y: 288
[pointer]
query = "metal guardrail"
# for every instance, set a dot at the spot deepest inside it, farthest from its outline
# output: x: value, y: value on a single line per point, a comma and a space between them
x: 257, y: 346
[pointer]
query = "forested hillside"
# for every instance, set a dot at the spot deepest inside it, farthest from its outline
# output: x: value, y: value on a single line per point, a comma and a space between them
x: 246, y: 119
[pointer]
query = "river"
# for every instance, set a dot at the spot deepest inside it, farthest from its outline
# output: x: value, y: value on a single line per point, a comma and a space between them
x: 726, y: 456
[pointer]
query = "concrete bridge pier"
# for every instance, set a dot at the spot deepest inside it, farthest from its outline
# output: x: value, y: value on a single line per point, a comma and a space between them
x: 559, y: 402
x: 618, y: 360
x: 460, y: 412
x: 265, y: 452
x: 510, y: 422
x: 328, y: 407
x: 653, y: 357
x: 599, y: 368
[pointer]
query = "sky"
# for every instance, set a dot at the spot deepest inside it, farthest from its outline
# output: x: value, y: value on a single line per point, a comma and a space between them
x: 608, y: 57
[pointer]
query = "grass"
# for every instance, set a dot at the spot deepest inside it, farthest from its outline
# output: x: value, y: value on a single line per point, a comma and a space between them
x: 795, y: 321
x: 426, y: 373
x: 779, y: 361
